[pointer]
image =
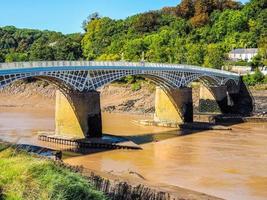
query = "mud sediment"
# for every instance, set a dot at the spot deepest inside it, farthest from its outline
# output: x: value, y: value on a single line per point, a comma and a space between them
x: 118, y: 98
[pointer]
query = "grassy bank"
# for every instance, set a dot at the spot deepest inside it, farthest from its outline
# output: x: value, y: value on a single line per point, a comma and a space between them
x: 23, y: 176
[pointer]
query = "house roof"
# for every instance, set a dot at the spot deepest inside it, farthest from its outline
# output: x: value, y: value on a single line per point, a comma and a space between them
x: 244, y: 51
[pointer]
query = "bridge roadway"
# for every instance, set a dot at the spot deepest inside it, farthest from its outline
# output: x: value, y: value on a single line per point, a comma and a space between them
x: 78, y: 102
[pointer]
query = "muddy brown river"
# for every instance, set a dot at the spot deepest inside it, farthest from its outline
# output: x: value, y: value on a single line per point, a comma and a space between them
x: 226, y: 164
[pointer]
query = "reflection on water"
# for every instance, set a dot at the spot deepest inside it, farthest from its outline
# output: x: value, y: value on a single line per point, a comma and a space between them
x: 228, y: 164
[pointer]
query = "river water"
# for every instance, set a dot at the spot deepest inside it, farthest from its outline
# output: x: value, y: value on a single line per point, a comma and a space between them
x: 227, y: 164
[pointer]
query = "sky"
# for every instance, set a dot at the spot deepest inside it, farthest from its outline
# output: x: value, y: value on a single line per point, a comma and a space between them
x: 67, y: 15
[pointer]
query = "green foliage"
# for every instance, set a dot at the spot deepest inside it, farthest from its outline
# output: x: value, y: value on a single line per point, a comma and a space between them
x: 237, y: 63
x: 228, y: 22
x: 90, y: 18
x: 136, y: 86
x: 16, y: 57
x: 146, y: 22
x: 25, y: 44
x: 195, y: 54
x: 257, y: 61
x: 26, y: 177
x: 133, y: 49
x: 109, y: 57
x: 263, y: 49
x: 256, y: 78
x: 199, y: 32
x: 2, y: 57
x: 214, y: 57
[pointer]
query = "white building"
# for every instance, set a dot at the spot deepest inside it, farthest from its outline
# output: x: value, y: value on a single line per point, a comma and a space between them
x: 243, y: 54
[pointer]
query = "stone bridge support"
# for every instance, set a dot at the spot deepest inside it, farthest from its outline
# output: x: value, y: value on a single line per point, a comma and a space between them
x: 230, y: 100
x: 173, y: 105
x: 78, y: 114
x: 214, y: 99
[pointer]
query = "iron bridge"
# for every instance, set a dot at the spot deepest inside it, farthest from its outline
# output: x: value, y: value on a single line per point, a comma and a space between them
x: 91, y: 75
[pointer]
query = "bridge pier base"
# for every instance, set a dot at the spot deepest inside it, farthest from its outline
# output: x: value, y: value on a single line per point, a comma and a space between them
x: 78, y: 114
x: 173, y: 105
x: 235, y: 100
x: 213, y: 99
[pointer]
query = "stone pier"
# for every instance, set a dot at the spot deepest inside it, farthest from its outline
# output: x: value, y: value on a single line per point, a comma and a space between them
x: 78, y: 114
x: 173, y: 105
x: 231, y: 100
x: 213, y: 99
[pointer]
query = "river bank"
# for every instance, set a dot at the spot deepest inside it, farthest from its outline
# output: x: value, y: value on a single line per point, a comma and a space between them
x: 118, y: 98
x: 23, y: 176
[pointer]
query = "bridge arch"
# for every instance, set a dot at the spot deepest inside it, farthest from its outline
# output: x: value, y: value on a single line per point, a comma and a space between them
x: 90, y: 75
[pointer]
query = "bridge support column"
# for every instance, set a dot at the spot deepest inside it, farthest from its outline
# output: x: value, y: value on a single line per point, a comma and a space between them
x: 78, y: 114
x: 228, y: 101
x: 213, y: 99
x: 173, y: 105
x: 232, y: 100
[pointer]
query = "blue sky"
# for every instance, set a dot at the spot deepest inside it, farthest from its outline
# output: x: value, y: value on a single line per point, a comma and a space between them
x: 67, y: 15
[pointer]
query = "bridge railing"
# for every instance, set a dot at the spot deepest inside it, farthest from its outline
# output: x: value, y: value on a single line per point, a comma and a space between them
x: 34, y: 64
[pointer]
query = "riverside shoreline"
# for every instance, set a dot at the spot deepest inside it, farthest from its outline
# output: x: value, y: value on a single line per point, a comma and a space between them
x: 115, y: 98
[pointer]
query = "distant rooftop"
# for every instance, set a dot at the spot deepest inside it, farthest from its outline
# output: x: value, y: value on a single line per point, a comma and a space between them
x: 244, y: 51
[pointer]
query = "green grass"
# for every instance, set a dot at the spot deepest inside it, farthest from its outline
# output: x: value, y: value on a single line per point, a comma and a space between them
x: 23, y: 176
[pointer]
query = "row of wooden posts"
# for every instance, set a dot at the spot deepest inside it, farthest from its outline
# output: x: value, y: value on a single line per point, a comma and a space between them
x: 82, y: 144
x: 125, y: 191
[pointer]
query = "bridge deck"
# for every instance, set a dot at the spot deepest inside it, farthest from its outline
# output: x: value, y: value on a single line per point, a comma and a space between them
x: 108, y: 65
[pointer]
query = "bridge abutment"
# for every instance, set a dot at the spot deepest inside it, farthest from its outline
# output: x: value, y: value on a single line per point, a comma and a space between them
x: 213, y: 99
x: 78, y: 114
x: 173, y: 105
x: 227, y: 100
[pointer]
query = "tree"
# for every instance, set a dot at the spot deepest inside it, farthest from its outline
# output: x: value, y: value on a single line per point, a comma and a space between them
x: 255, y: 78
x: 90, y: 18
x: 16, y: 57
x: 200, y: 20
x: 67, y: 49
x: 159, y: 47
x: 195, y: 54
x: 254, y: 7
x: 257, y: 61
x: 179, y: 51
x: 214, y: 57
x: 109, y: 57
x: 2, y: 58
x: 147, y: 22
x: 263, y: 49
x: 180, y: 26
x: 228, y: 22
x: 186, y: 9
x: 98, y: 37
x: 40, y: 50
x: 228, y: 4
x: 133, y: 50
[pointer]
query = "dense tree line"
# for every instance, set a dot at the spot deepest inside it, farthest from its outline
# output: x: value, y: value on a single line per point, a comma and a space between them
x: 26, y: 44
x: 198, y: 32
